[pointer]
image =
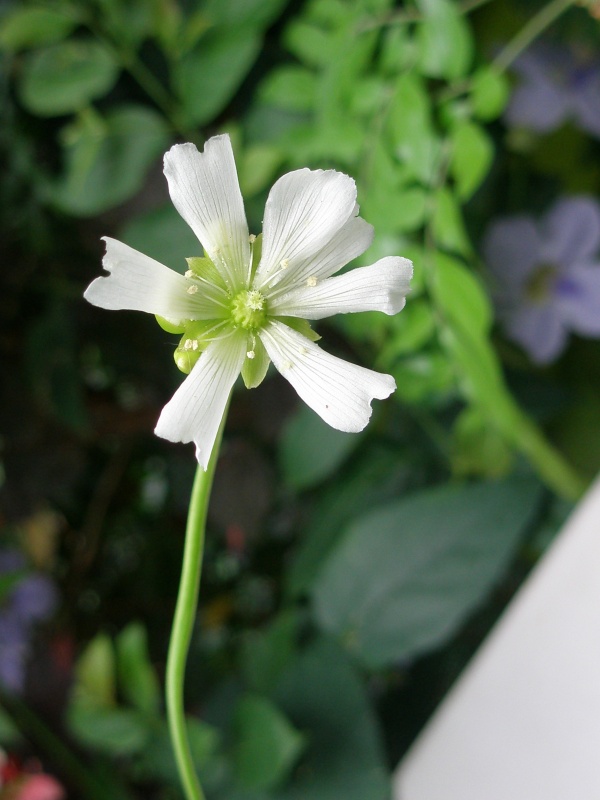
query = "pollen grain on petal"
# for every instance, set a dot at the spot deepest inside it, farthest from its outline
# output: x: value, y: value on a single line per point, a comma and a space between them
x: 311, y: 280
x: 192, y: 289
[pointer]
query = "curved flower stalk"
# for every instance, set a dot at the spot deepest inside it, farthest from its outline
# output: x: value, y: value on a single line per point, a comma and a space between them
x: 247, y: 301
x: 547, y: 276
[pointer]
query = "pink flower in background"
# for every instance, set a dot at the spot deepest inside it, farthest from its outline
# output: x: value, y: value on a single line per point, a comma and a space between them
x: 40, y: 787
x: 18, y: 784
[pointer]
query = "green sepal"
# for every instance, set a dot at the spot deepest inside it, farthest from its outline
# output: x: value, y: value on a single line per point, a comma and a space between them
x: 205, y: 269
x: 301, y: 326
x: 186, y: 359
x: 256, y: 248
x: 169, y: 327
x: 255, y: 369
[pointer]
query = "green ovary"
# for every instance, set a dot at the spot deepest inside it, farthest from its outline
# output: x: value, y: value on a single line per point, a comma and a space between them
x: 249, y: 309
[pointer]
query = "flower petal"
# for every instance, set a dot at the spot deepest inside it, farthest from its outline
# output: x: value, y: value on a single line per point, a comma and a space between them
x: 578, y: 297
x: 512, y: 248
x: 349, y: 242
x: 195, y: 411
x: 585, y: 101
x: 304, y: 211
x: 339, y: 392
x: 205, y: 190
x: 139, y: 283
x: 571, y: 231
x: 539, y: 330
x: 381, y: 287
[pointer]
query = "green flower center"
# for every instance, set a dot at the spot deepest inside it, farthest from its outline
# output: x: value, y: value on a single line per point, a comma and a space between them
x: 539, y: 286
x: 249, y: 309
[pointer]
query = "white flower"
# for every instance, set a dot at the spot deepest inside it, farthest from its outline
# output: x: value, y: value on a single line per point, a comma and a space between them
x: 239, y: 309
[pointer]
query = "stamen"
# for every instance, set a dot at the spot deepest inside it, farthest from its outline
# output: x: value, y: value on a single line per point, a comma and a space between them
x: 252, y: 238
x: 251, y: 354
x: 188, y: 344
x: 192, y: 289
x: 284, y: 263
x: 189, y: 273
x: 311, y: 281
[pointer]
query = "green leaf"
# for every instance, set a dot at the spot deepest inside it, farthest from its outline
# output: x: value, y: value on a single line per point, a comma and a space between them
x: 426, y: 378
x: 311, y: 451
x: 324, y: 697
x: 290, y: 87
x: 22, y: 28
x: 207, y: 78
x: 163, y: 235
x: 10, y: 734
x: 445, y: 40
x: 309, y: 43
x: 156, y: 760
x: 66, y: 77
x: 95, y: 674
x: 412, y: 330
x: 266, y: 653
x: 490, y: 91
x: 137, y: 679
x: 257, y: 167
x: 411, y: 133
x: 471, y: 158
x: 478, y: 448
x: 108, y: 159
x: 406, y: 576
x: 266, y: 744
x: 377, y: 476
x: 114, y: 731
x: 447, y: 223
x: 460, y: 295
x: 243, y: 13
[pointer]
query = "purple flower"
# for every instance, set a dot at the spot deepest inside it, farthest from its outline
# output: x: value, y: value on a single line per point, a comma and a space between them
x: 556, y: 84
x: 547, y: 276
x: 32, y: 598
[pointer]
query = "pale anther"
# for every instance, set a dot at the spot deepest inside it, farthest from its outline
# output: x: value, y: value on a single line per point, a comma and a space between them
x: 192, y: 289
x: 252, y: 238
x: 311, y: 281
x: 189, y: 273
x: 250, y: 354
x: 195, y: 344
x: 284, y: 264
x: 188, y: 344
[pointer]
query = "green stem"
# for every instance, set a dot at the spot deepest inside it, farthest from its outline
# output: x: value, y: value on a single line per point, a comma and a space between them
x: 94, y: 783
x: 530, y: 32
x: 183, y: 623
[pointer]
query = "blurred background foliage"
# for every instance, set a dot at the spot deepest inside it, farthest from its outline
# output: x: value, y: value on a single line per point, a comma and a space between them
x: 348, y: 578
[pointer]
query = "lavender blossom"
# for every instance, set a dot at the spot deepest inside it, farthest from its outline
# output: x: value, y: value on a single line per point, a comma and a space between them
x: 556, y: 84
x: 32, y: 598
x: 547, y: 276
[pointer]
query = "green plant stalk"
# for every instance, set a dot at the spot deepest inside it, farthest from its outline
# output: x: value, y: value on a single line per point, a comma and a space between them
x: 530, y: 32
x: 520, y: 42
x: 183, y: 622
x: 93, y: 782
